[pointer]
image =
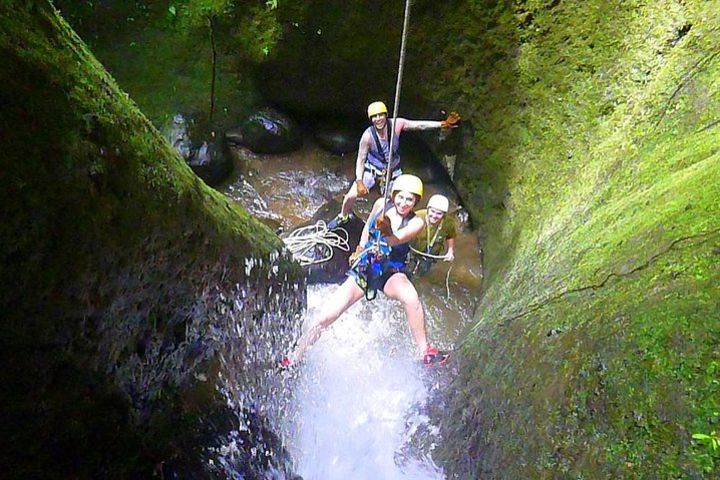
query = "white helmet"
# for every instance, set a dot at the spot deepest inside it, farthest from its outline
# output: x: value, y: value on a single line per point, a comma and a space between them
x: 439, y: 202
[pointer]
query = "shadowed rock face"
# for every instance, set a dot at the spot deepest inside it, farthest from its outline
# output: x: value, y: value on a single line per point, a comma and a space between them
x: 592, y: 172
x: 136, y: 301
x: 336, y: 138
x: 266, y: 131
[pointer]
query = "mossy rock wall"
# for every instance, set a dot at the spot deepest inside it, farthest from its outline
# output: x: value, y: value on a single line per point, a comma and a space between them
x: 588, y: 158
x: 135, y: 299
x: 593, y: 170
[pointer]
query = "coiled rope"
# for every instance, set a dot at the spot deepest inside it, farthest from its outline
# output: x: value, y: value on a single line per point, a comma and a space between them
x: 314, y: 244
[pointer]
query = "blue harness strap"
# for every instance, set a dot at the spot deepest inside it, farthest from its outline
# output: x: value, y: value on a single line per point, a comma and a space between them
x: 381, y: 157
x: 379, y: 261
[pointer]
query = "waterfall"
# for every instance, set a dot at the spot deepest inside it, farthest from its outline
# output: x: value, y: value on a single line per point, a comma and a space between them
x: 357, y: 401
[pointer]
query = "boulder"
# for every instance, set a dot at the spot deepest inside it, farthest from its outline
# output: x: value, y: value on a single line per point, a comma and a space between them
x: 177, y: 134
x: 266, y: 131
x: 205, y: 158
x: 210, y: 163
x: 337, y: 139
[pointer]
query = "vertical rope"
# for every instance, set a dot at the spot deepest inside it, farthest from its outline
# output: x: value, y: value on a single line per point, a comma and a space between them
x: 396, y: 103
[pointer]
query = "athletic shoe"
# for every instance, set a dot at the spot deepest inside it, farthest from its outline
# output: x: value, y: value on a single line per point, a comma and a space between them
x: 284, y: 363
x: 433, y: 356
x: 338, y: 221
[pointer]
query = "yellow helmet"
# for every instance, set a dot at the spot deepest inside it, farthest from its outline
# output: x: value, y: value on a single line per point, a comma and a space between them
x: 408, y: 183
x: 376, y: 107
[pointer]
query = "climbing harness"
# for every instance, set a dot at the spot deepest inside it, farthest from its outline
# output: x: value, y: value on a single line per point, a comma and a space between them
x: 382, y: 158
x: 370, y: 264
x: 308, y: 243
x: 378, y: 165
x: 378, y: 260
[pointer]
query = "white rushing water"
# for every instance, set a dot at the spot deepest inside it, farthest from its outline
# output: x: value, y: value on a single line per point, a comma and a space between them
x: 357, y: 401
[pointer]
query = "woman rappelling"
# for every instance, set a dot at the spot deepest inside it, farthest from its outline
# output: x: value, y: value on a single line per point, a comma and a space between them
x: 379, y: 264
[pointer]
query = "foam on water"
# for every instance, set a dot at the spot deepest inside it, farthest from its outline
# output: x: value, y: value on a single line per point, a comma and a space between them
x: 358, y: 399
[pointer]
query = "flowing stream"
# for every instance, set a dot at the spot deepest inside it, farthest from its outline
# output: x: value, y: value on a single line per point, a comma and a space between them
x: 356, y: 407
x: 359, y: 399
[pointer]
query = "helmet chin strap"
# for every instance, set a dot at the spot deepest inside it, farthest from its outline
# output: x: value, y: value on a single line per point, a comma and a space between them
x: 388, y: 174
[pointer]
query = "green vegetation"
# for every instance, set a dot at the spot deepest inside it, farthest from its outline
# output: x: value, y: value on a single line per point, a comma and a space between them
x: 180, y: 56
x: 590, y: 163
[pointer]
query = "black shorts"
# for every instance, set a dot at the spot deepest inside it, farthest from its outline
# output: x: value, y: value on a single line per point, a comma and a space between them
x: 418, y: 266
x: 374, y: 283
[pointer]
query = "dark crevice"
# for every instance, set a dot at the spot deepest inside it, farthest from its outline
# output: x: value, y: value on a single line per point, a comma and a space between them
x: 697, y: 68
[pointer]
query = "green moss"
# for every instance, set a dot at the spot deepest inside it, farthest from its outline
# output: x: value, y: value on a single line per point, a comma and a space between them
x: 593, y: 172
x: 164, y: 60
x: 116, y: 259
x: 591, y: 166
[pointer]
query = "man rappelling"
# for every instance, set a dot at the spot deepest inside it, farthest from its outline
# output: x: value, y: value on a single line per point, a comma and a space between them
x: 374, y: 158
x: 440, y: 231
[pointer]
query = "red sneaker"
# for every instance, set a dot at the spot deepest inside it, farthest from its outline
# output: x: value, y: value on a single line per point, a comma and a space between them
x: 433, y: 356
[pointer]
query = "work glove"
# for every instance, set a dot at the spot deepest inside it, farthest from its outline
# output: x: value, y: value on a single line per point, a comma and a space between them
x: 451, y: 121
x: 355, y: 255
x: 361, y: 188
x: 383, y: 224
x: 449, y: 257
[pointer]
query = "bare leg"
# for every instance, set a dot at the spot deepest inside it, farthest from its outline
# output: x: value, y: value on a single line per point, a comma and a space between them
x: 399, y: 287
x: 347, y: 294
x: 349, y: 199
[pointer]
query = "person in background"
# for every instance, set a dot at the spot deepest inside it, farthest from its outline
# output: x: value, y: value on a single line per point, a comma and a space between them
x: 439, y: 232
x: 374, y: 157
x: 379, y: 264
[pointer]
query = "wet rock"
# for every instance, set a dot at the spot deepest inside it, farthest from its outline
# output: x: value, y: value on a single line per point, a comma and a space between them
x: 178, y: 136
x: 243, y: 158
x: 244, y: 193
x: 337, y: 139
x: 266, y: 131
x: 210, y: 163
x: 205, y: 158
